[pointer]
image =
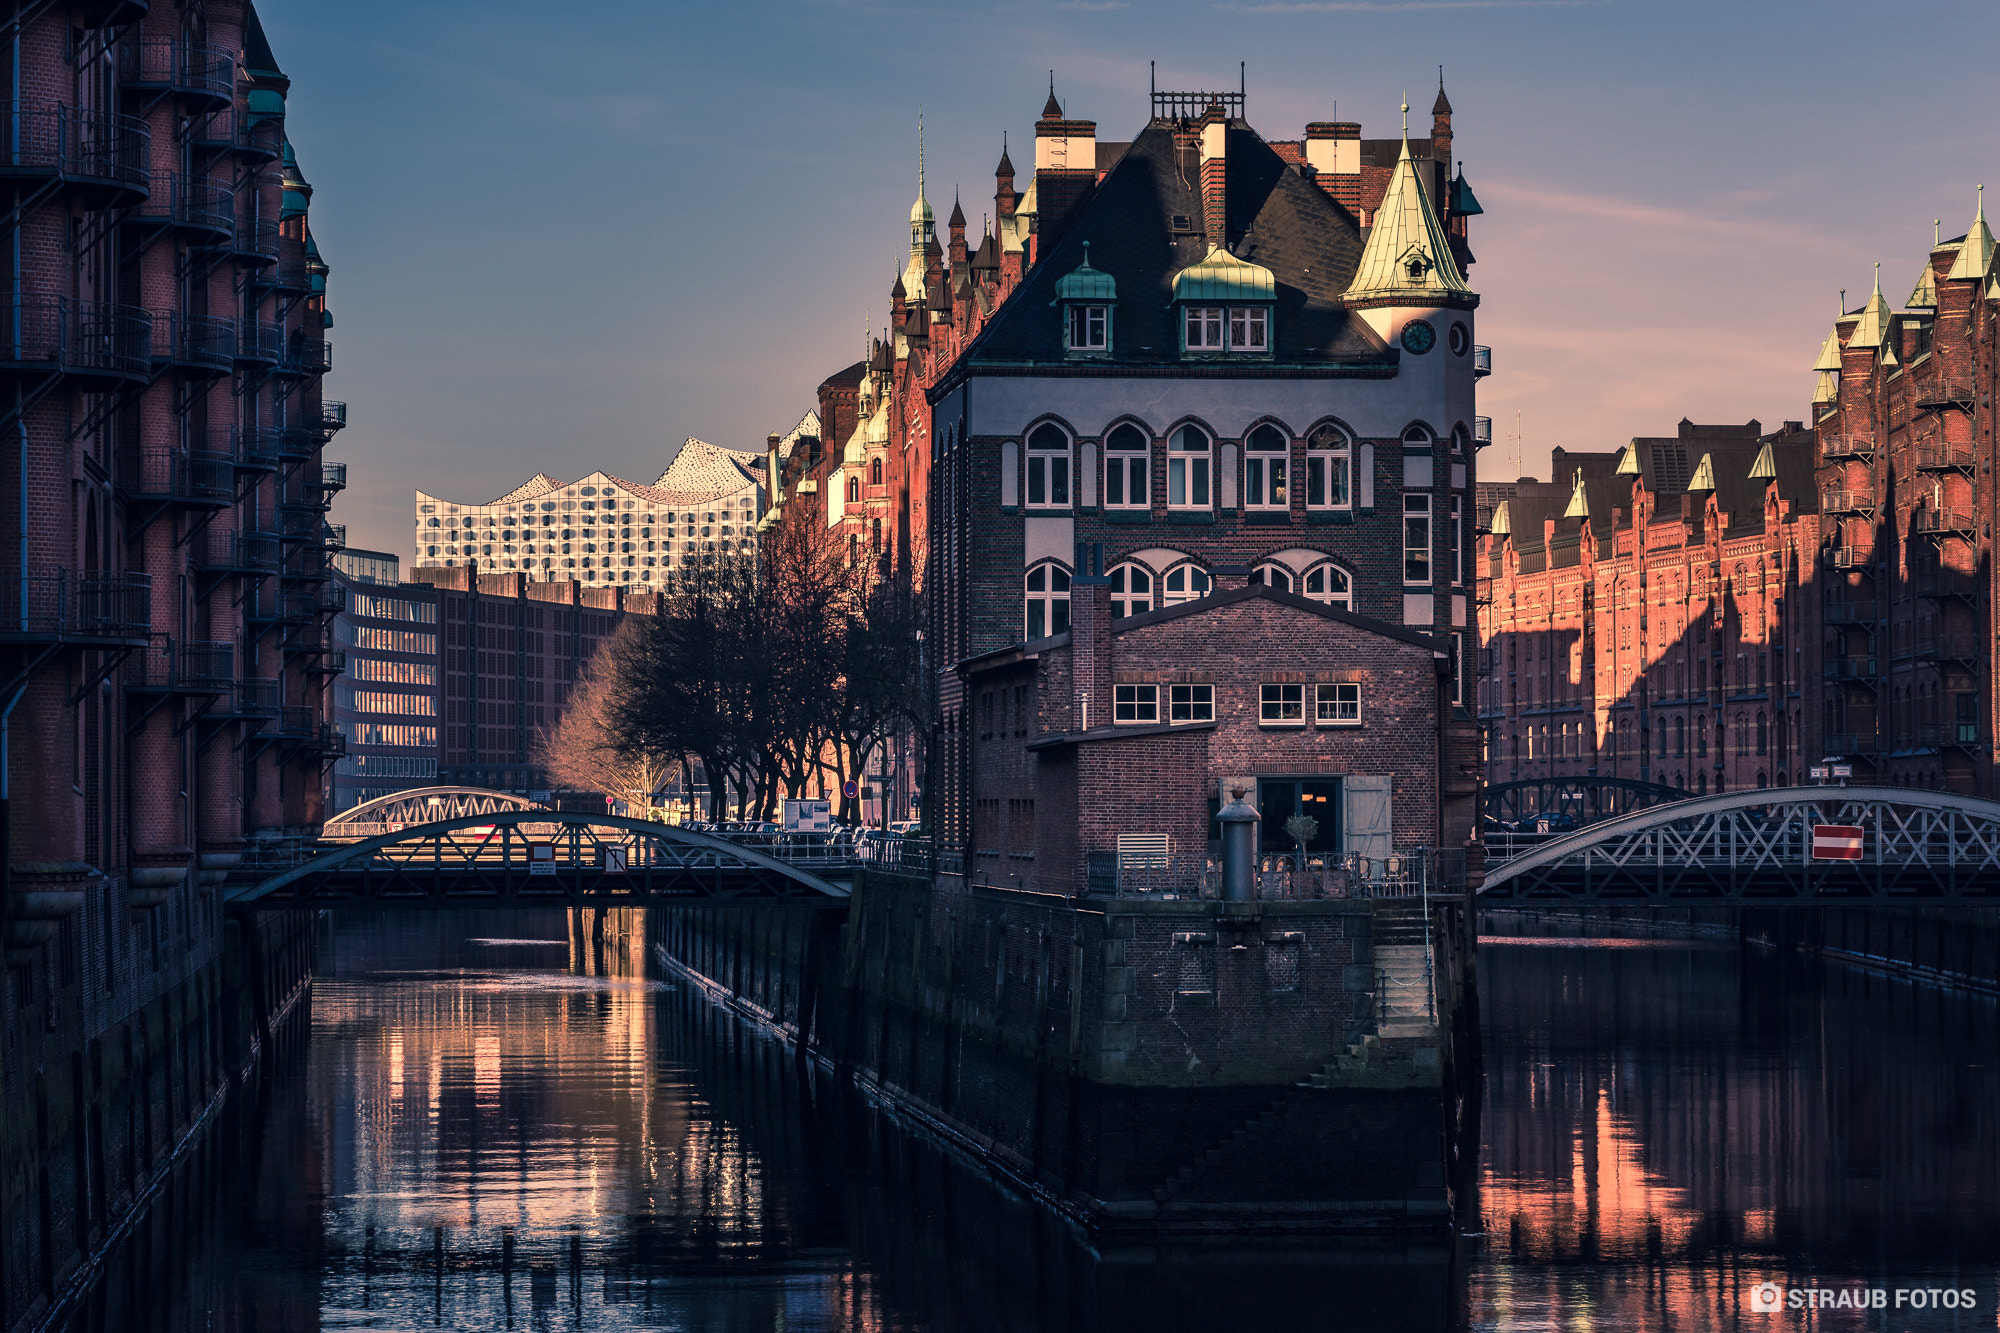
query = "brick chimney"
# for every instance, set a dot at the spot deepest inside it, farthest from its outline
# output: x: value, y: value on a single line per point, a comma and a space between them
x: 1214, y: 175
x: 1090, y: 638
x: 1333, y: 148
x: 1228, y: 578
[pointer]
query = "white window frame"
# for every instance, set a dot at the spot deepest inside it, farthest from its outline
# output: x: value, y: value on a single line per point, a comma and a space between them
x: 1457, y: 540
x: 1188, y: 575
x: 1281, y: 705
x: 1417, y: 538
x: 1270, y: 572
x: 1196, y: 701
x: 1250, y: 328
x: 1135, y: 705
x: 1121, y: 459
x: 1329, y: 469
x: 1337, y: 704
x: 1126, y: 599
x: 1266, y: 470
x: 1083, y: 320
x: 1049, y: 469
x: 1204, y: 328
x: 1327, y: 574
x: 1048, y: 597
x: 1192, y: 471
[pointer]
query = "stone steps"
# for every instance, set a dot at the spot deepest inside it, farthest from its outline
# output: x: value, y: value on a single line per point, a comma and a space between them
x: 1219, y: 1151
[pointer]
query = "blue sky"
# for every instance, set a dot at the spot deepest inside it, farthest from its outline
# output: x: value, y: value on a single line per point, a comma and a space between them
x: 569, y: 236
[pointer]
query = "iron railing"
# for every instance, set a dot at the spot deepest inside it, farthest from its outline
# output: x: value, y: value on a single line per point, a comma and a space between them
x: 1851, y: 557
x: 1835, y: 448
x: 1853, y: 742
x: 1949, y: 647
x: 1940, y: 391
x: 1848, y: 668
x: 57, y: 604
x: 1284, y: 876
x: 1939, y: 584
x: 332, y: 414
x: 257, y: 448
x: 1942, y: 522
x: 1840, y: 500
x: 64, y: 141
x: 333, y: 536
x: 223, y: 130
x: 206, y: 342
x: 259, y: 697
x: 57, y: 334
x: 186, y: 475
x: 193, y: 666
x: 242, y: 552
x: 1482, y: 361
x: 308, y: 356
x: 257, y: 238
x: 332, y: 477
x: 198, y: 204
x: 1849, y: 613
x: 194, y: 69
x: 1948, y: 733
x: 1938, y: 456
x: 1482, y: 430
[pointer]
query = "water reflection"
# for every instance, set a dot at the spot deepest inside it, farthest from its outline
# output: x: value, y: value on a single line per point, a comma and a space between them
x: 479, y: 1140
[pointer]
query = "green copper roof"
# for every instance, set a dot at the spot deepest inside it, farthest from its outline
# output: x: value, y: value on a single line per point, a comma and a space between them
x: 1502, y: 522
x: 1579, y: 500
x: 1628, y: 462
x: 1463, y: 201
x: 1084, y: 283
x: 1704, y: 474
x: 266, y: 104
x: 1766, y: 466
x: 1829, y: 352
x: 293, y: 205
x: 1873, y: 329
x: 1221, y: 276
x: 1975, y: 254
x: 1925, y: 292
x: 1828, y: 390
x: 1408, y: 254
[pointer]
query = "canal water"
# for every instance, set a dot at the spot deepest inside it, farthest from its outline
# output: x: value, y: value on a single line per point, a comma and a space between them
x: 473, y: 1138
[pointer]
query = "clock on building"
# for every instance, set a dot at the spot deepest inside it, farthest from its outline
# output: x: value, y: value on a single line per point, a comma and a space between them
x: 1419, y: 337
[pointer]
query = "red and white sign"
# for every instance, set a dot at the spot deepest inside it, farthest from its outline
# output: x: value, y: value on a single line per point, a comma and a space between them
x: 1836, y: 842
x: 541, y: 858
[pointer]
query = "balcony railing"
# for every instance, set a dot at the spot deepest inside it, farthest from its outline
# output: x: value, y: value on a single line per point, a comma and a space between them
x: 1851, y: 557
x: 91, y: 148
x: 1843, y: 501
x: 195, y: 342
x: 1835, y: 448
x: 223, y: 130
x: 1935, y: 456
x: 185, y: 476
x: 193, y: 69
x: 296, y: 721
x: 258, y: 697
x: 308, y: 356
x: 1942, y: 522
x: 1849, y: 613
x: 1283, y: 877
x: 53, y: 334
x: 297, y: 443
x: 1948, y: 733
x: 197, y: 205
x: 334, y: 536
x: 332, y: 477
x: 238, y: 552
x: 183, y: 666
x: 1851, y: 742
x: 332, y: 598
x: 329, y: 662
x: 57, y: 605
x: 1940, y: 391
x: 256, y: 448
x: 1482, y: 431
x: 257, y: 238
x: 1949, y: 648
x: 1848, y: 668
x: 332, y: 415
x: 1940, y: 584
x: 1482, y: 361
x: 262, y: 341
x: 282, y: 607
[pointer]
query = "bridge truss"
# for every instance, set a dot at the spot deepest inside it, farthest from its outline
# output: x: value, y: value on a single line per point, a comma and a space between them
x: 1586, y: 800
x: 1754, y: 848
x: 538, y: 858
x: 419, y: 805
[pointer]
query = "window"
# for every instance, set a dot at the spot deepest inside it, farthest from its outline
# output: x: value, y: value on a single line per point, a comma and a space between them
x: 1416, y: 539
x: 1131, y: 590
x: 1282, y: 705
x: 1184, y: 585
x: 875, y: 473
x: 1135, y: 703
x: 1048, y: 601
x: 1338, y: 705
x: 1276, y: 576
x: 1192, y: 703
x: 1329, y: 584
x: 1266, y: 451
x: 1457, y: 540
x: 1249, y: 328
x: 1204, y: 328
x: 1188, y: 469
x: 1327, y: 461
x: 1048, y: 468
x: 1126, y: 451
x: 1088, y: 327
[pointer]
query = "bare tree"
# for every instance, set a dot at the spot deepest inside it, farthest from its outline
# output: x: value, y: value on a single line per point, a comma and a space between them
x: 584, y: 751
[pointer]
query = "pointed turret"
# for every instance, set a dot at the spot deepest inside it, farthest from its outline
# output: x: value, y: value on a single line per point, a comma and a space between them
x: 1704, y: 475
x: 1441, y: 124
x: 1829, y: 352
x: 1923, y: 296
x: 1408, y: 258
x: 1765, y: 468
x: 1579, y: 500
x: 1004, y: 194
x: 1502, y: 522
x: 1975, y: 253
x: 1628, y: 462
x: 1052, y: 109
x: 1873, y: 330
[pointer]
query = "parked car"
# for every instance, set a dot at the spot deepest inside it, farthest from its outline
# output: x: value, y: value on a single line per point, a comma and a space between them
x: 872, y: 844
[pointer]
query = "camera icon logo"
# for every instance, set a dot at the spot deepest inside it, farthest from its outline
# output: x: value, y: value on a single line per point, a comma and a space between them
x: 1767, y: 1297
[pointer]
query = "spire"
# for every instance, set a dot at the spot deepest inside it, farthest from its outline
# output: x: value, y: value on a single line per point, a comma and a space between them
x: 1406, y: 117
x: 1441, y: 107
x: 1829, y: 352
x: 1873, y: 330
x: 1408, y: 254
x: 1628, y: 462
x: 1052, y: 109
x: 1975, y: 253
x: 1579, y: 500
x: 957, y: 212
x: 1765, y: 468
x: 1502, y: 522
x: 1006, y: 167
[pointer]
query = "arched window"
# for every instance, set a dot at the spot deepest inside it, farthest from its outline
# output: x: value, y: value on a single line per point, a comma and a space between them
x: 1461, y: 439
x: 1742, y: 736
x: 1048, y: 467
x: 875, y: 472
x: 1275, y: 576
x: 1048, y: 600
x: 1680, y: 738
x: 1127, y: 453
x: 1266, y: 454
x: 1763, y: 736
x: 1131, y: 590
x: 1328, y: 465
x: 1184, y: 583
x: 1190, y: 469
x: 1329, y: 584
x: 853, y: 490
x: 1701, y: 784
x: 1417, y: 437
x: 1701, y: 738
x: 875, y: 535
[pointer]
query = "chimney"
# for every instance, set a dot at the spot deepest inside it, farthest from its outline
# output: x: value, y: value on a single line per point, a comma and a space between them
x: 1228, y: 578
x: 1214, y: 175
x: 1090, y: 638
x: 957, y: 226
x: 1004, y: 197
x: 1333, y: 148
x: 1441, y: 128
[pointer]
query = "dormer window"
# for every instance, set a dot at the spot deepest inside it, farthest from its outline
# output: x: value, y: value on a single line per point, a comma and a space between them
x: 1089, y: 327
x: 1086, y: 296
x: 1249, y: 328
x: 1225, y: 305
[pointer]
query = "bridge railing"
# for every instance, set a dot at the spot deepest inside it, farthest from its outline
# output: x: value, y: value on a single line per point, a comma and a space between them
x: 1289, y: 877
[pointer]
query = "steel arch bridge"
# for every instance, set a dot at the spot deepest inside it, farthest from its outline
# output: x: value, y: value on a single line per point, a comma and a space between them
x: 1586, y: 800
x: 539, y: 858
x: 1754, y: 848
x: 420, y: 805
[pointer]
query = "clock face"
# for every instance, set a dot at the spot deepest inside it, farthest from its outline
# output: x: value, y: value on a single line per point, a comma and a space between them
x: 1419, y: 337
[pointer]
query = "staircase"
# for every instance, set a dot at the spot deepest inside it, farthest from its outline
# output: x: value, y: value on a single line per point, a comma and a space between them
x: 1219, y: 1151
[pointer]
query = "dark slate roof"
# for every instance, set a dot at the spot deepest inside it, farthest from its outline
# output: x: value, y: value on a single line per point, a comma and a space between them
x: 1666, y: 463
x: 988, y: 253
x: 1276, y: 219
x: 1796, y: 457
x: 1441, y: 107
x: 957, y: 214
x: 1006, y: 167
x: 846, y: 378
x: 257, y: 55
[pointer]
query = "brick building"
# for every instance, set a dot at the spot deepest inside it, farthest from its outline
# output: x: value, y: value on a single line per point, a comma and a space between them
x: 1904, y: 423
x: 1655, y: 616
x: 164, y: 591
x: 1222, y: 352
x: 387, y: 702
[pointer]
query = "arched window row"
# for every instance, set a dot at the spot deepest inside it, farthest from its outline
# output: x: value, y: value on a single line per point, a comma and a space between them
x: 1138, y: 587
